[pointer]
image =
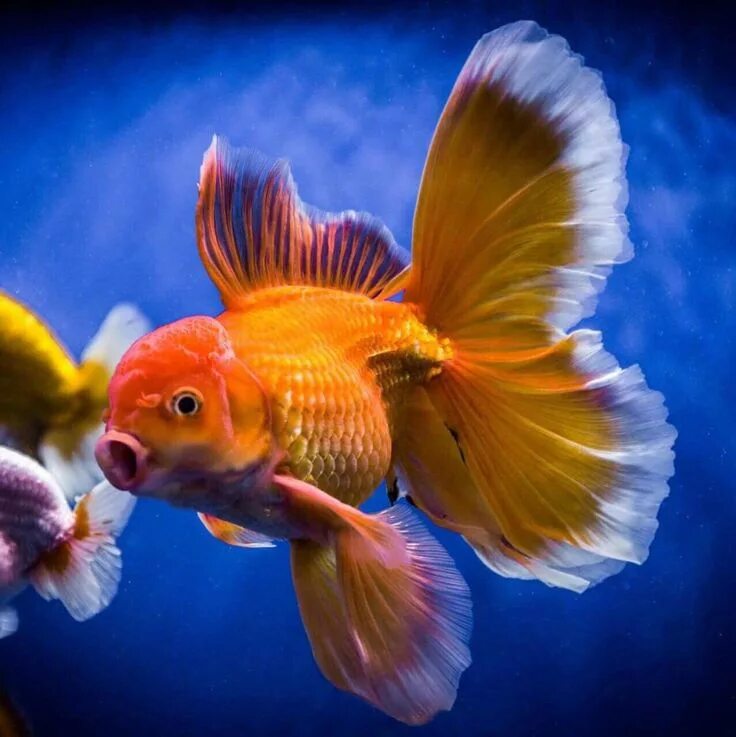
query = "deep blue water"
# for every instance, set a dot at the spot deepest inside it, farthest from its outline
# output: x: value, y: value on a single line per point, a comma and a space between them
x: 102, y: 133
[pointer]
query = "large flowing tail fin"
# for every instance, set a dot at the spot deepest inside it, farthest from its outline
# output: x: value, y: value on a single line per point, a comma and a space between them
x: 562, y: 457
x: 387, y: 614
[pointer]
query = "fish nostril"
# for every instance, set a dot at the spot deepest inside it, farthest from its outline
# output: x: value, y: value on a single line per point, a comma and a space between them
x: 124, y: 459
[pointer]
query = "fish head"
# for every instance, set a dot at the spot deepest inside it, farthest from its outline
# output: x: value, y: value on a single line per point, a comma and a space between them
x: 184, y: 413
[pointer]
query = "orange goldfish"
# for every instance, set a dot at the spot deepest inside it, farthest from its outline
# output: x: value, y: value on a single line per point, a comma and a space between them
x: 279, y: 417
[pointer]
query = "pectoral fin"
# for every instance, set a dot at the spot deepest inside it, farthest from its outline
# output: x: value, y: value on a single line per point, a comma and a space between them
x: 386, y: 612
x: 233, y: 534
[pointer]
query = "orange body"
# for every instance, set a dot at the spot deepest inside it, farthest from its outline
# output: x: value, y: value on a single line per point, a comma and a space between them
x: 336, y: 367
x: 279, y: 417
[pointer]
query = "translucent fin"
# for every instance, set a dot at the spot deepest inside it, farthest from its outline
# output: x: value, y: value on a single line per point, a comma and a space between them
x: 390, y: 626
x: 314, y: 572
x: 571, y: 452
x: 38, y: 377
x: 72, y: 463
x: 520, y: 210
x: 520, y: 217
x: 8, y: 621
x: 253, y: 231
x: 431, y: 468
x: 234, y: 534
x: 83, y: 571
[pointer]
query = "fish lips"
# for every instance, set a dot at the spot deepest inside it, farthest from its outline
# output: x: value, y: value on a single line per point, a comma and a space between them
x: 129, y: 466
x: 123, y: 459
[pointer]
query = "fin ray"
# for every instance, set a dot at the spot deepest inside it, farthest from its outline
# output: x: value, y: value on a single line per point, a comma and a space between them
x: 387, y: 613
x: 519, y: 220
x: 83, y: 572
x: 528, y: 139
x: 253, y: 231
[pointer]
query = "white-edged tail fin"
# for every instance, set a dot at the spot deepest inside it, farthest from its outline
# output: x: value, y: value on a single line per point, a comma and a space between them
x: 83, y: 571
x: 387, y: 614
x: 563, y: 456
x: 431, y: 468
x: 8, y: 621
x: 124, y: 324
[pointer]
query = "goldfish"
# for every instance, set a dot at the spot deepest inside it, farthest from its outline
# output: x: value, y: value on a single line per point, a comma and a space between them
x: 63, y: 554
x: 454, y: 376
x: 50, y: 405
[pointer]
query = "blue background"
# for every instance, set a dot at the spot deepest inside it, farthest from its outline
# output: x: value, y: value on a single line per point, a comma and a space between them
x: 105, y: 119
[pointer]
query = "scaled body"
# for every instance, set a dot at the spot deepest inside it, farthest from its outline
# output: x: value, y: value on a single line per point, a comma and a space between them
x: 65, y: 554
x: 336, y: 390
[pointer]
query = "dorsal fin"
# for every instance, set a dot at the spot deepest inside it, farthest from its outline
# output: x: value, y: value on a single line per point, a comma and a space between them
x: 253, y: 231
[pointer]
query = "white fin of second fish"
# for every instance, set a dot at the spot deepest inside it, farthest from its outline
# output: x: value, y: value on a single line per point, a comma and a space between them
x: 86, y: 574
x: 123, y: 325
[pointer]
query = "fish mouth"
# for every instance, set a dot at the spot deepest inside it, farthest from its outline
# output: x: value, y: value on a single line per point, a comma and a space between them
x: 123, y: 460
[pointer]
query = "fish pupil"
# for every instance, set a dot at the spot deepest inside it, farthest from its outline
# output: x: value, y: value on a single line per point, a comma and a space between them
x: 186, y: 405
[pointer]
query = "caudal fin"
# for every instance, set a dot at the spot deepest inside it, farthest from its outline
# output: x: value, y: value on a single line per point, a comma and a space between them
x: 67, y: 450
x: 387, y: 614
x: 562, y: 457
x: 83, y: 571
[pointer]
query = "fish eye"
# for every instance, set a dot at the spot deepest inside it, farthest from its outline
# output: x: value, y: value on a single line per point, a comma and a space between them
x: 186, y: 403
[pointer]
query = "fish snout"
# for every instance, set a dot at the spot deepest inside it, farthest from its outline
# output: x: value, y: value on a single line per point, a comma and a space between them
x: 123, y: 459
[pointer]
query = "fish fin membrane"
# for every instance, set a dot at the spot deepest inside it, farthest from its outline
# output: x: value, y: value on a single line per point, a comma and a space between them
x: 232, y: 534
x: 72, y: 462
x: 387, y: 614
x: 8, y: 621
x: 39, y: 377
x: 67, y: 449
x: 253, y: 231
x: 431, y: 469
x: 84, y: 570
x: 519, y: 219
x: 520, y: 213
